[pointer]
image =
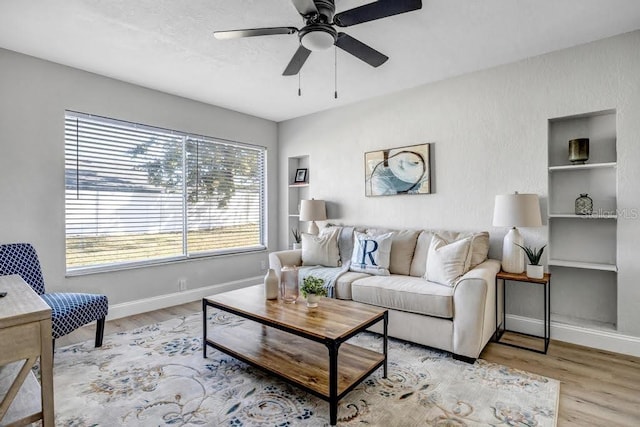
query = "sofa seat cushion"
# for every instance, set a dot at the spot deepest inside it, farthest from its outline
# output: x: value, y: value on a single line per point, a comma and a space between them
x: 343, y: 284
x: 405, y: 293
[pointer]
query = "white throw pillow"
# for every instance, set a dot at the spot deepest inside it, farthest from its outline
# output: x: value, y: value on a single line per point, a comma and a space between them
x: 322, y: 249
x: 447, y: 261
x: 371, y: 253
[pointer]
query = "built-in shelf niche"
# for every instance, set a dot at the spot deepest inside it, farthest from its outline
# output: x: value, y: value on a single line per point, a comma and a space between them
x: 583, y: 248
x: 296, y: 191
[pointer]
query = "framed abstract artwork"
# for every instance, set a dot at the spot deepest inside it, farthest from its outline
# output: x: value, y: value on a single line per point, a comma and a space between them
x: 403, y: 170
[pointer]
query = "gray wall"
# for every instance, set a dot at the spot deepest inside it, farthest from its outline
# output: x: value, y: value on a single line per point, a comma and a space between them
x: 34, y: 95
x: 489, y: 131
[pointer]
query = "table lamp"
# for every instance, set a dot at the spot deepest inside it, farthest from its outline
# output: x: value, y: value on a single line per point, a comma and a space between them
x: 313, y: 210
x: 515, y: 210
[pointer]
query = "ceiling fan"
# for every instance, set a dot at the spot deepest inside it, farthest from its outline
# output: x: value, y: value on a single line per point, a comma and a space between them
x: 319, y: 32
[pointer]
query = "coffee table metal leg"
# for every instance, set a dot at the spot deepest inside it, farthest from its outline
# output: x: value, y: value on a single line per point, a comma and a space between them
x: 204, y: 328
x: 333, y: 382
x: 385, y: 343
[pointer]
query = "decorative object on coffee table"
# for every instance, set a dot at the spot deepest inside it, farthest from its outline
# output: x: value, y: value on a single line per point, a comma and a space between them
x: 579, y: 151
x: 534, y: 269
x: 313, y: 210
x: 515, y: 210
x: 271, y: 284
x: 584, y: 205
x: 313, y: 289
x: 289, y: 284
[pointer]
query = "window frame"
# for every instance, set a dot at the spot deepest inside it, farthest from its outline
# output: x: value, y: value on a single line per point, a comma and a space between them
x: 186, y: 255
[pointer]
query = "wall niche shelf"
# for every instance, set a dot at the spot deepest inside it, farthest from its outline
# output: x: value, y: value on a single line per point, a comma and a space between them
x: 594, y: 216
x: 584, y: 166
x: 296, y: 191
x: 583, y: 265
x: 582, y: 249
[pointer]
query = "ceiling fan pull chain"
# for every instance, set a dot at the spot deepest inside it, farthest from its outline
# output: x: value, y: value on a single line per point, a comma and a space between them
x: 335, y: 76
x: 299, y: 90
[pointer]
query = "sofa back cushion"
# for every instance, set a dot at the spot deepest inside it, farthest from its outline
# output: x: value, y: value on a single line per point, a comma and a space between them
x: 321, y: 249
x: 447, y: 260
x: 371, y: 254
x: 403, y: 246
x: 479, y: 247
x: 419, y: 261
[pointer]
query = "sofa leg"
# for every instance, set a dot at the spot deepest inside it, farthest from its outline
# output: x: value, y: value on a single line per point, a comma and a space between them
x: 466, y: 359
x: 99, y: 332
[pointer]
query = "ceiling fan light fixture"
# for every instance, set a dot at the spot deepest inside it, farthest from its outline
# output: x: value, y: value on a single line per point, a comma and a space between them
x: 317, y: 40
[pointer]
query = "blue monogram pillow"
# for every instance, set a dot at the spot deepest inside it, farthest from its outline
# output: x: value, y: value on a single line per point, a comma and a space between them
x: 371, y: 254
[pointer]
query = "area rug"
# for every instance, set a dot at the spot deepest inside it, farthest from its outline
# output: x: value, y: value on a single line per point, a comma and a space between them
x: 156, y: 376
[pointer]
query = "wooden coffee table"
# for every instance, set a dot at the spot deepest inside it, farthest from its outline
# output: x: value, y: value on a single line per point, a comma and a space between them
x: 289, y: 340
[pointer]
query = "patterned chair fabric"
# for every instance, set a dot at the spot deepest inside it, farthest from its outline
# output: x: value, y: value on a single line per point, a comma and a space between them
x: 69, y: 311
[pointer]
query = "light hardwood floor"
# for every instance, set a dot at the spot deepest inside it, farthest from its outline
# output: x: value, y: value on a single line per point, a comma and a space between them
x: 598, y: 388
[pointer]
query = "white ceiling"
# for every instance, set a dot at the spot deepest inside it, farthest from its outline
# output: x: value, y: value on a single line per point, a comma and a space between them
x: 168, y: 45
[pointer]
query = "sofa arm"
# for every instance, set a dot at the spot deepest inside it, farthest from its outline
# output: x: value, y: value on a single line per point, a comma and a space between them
x: 279, y: 259
x: 474, y: 309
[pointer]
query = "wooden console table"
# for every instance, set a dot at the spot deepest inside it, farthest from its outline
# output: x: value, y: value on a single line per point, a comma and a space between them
x: 25, y: 335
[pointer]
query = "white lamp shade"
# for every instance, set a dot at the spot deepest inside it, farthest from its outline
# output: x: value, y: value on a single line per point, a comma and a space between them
x: 517, y: 210
x: 313, y: 210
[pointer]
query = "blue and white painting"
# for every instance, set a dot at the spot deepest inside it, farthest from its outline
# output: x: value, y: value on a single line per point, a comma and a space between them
x: 403, y: 170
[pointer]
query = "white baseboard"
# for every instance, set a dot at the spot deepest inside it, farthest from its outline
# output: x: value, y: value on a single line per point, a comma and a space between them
x: 131, y: 308
x: 603, y: 340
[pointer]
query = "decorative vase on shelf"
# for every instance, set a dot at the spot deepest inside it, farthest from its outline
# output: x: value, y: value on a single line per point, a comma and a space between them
x: 289, y: 284
x: 584, y: 205
x: 535, y: 271
x: 579, y: 151
x: 297, y: 246
x: 271, y: 284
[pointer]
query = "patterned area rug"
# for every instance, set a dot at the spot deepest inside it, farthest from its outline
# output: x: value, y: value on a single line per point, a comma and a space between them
x: 156, y: 375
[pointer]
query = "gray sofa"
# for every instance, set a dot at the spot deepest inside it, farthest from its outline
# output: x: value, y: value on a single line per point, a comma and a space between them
x: 458, y: 317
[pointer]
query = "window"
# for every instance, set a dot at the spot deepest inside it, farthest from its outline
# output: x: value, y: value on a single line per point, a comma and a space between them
x: 136, y: 194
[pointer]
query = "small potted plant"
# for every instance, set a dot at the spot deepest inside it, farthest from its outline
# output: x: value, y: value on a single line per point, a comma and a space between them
x: 534, y: 269
x: 297, y: 238
x: 313, y: 289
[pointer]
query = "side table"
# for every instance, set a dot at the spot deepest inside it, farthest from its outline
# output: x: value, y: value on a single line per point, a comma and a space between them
x: 502, y: 327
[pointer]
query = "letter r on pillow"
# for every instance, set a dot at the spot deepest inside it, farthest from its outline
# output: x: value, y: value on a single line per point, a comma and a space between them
x: 370, y: 253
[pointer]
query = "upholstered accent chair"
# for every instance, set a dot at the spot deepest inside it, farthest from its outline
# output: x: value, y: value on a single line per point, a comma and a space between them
x: 69, y: 311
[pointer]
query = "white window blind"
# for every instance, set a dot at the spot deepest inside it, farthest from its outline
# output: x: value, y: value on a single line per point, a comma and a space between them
x: 137, y: 194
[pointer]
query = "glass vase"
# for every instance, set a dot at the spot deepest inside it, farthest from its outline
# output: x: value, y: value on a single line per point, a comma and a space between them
x: 289, y: 284
x: 584, y: 205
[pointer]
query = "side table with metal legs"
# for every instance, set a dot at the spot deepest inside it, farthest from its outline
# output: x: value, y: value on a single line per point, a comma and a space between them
x: 502, y: 327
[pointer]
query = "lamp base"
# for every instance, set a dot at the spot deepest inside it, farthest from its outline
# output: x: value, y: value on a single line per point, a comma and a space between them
x: 313, y: 228
x: 512, y: 255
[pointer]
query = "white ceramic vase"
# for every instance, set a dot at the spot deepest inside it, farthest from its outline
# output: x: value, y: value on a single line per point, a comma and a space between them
x: 535, y: 271
x: 297, y: 246
x: 271, y: 284
x: 312, y: 300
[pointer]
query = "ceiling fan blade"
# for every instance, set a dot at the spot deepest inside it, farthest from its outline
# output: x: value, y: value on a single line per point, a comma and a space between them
x: 297, y: 61
x: 305, y: 7
x: 360, y: 50
x: 252, y: 32
x: 375, y: 10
